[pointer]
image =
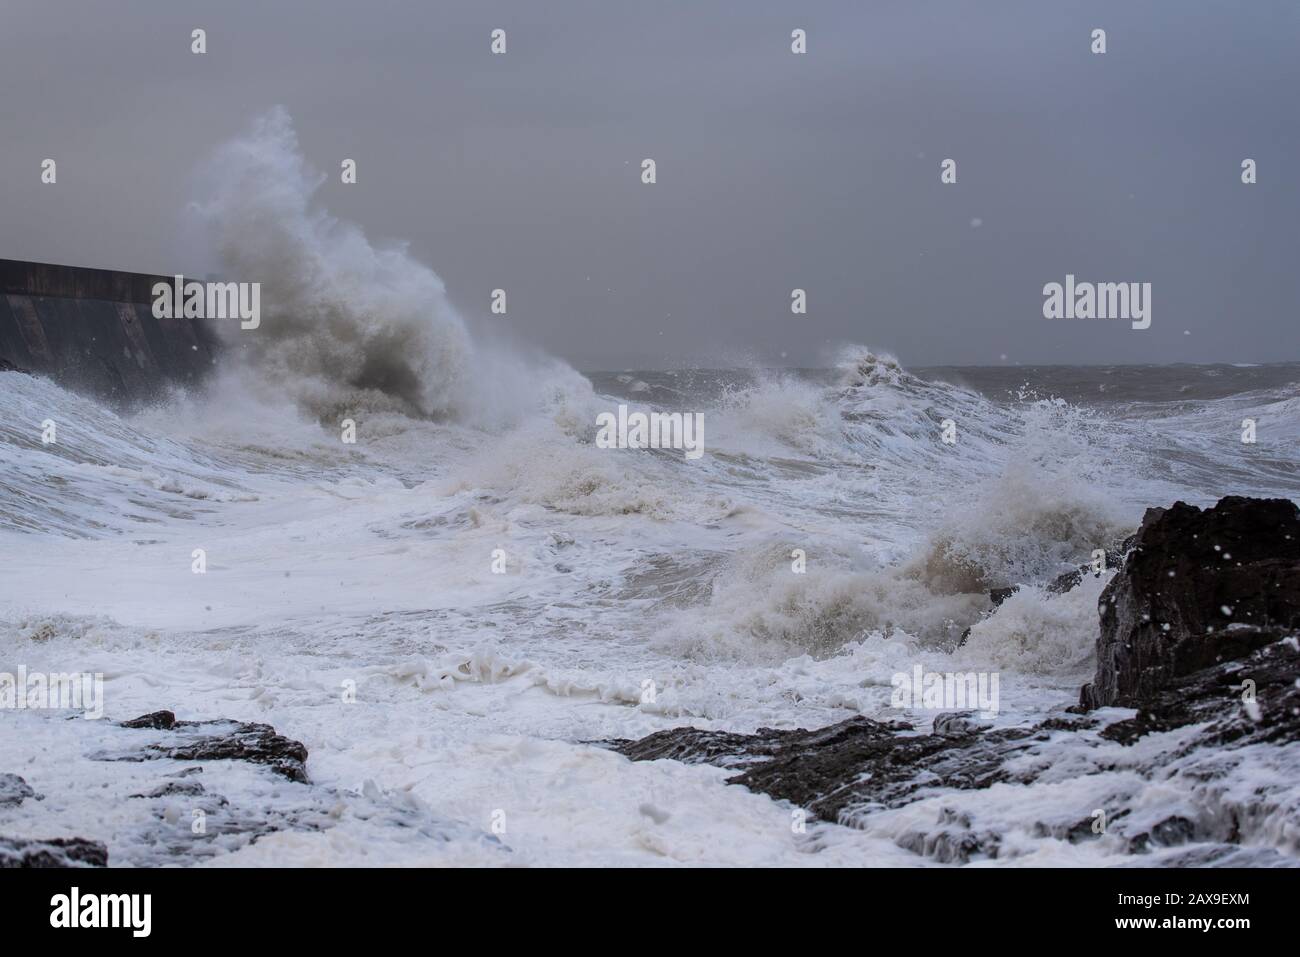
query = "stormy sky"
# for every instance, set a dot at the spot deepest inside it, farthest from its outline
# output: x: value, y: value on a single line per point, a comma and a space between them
x: 775, y: 171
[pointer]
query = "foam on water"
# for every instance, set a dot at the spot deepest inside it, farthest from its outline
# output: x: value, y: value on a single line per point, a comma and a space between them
x: 374, y: 563
x: 347, y: 324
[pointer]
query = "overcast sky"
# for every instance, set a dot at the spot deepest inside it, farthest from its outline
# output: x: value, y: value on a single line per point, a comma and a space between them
x: 775, y: 171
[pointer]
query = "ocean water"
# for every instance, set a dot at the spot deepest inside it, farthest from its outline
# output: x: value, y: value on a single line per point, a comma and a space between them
x: 499, y: 592
x: 476, y: 691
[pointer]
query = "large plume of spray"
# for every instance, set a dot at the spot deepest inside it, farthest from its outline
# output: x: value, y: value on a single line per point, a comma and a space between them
x: 347, y: 324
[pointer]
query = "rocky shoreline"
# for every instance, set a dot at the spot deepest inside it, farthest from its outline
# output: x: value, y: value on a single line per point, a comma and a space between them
x: 237, y: 783
x: 1198, y: 664
x: 189, y: 741
x: 1198, y: 630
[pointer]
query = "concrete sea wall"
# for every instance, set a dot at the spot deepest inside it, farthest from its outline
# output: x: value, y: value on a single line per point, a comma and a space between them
x: 93, y: 330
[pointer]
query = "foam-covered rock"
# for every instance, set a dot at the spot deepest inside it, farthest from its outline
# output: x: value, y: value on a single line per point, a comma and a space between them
x: 1197, y: 587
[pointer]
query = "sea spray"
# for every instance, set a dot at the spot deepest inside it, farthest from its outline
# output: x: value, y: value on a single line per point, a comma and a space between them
x: 348, y: 324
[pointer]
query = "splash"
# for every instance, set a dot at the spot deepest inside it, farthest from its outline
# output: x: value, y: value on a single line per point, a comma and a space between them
x: 347, y: 324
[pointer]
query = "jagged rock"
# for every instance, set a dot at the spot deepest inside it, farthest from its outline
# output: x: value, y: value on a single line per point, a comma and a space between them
x: 846, y: 771
x: 959, y: 722
x: 861, y: 768
x: 14, y: 790
x: 1190, y: 577
x: 257, y: 743
x: 1247, y: 700
x: 1060, y: 584
x: 57, y: 852
x: 195, y: 812
x: 1169, y: 832
x: 853, y: 765
x: 953, y: 843
x: 219, y: 741
x: 999, y: 595
x: 158, y: 720
x: 174, y: 789
x: 1239, y: 682
x: 693, y: 746
x: 1067, y: 580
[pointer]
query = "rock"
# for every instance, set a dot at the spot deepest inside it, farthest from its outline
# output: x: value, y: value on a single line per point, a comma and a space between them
x: 999, y: 595
x: 257, y: 743
x: 1063, y: 583
x: 1192, y: 578
x: 959, y: 722
x: 218, y: 741
x: 158, y: 720
x: 1246, y: 699
x: 225, y: 795
x: 1114, y: 559
x: 693, y: 746
x: 14, y: 790
x: 1057, y: 586
x: 1232, y: 677
x: 173, y: 789
x: 954, y: 842
x: 847, y: 771
x: 860, y: 767
x: 848, y: 766
x: 57, y: 852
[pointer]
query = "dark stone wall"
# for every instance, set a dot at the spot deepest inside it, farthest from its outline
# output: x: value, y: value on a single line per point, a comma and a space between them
x: 93, y: 330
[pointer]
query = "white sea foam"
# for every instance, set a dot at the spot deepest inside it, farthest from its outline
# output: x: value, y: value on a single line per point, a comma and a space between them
x: 635, y: 591
x: 348, y: 324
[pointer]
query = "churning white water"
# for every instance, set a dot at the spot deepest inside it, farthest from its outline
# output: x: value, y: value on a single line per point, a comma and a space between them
x: 500, y: 592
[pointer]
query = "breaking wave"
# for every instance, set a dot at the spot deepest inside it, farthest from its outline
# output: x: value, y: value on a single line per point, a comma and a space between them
x: 349, y: 324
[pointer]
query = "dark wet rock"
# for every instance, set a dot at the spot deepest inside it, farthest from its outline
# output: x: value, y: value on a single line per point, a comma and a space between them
x: 14, y: 790
x: 1233, y: 681
x: 57, y: 852
x: 843, y: 772
x: 1190, y: 577
x: 855, y: 765
x: 865, y: 768
x: 1241, y: 701
x: 218, y: 741
x: 848, y: 771
x: 999, y: 595
x: 1222, y: 855
x: 1167, y: 833
x: 959, y: 722
x: 1076, y: 832
x: 174, y: 789
x: 951, y: 845
x: 1066, y: 582
x: 197, y: 812
x: 728, y: 750
x: 1068, y: 722
x: 158, y: 720
x: 256, y: 743
x: 1057, y: 586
